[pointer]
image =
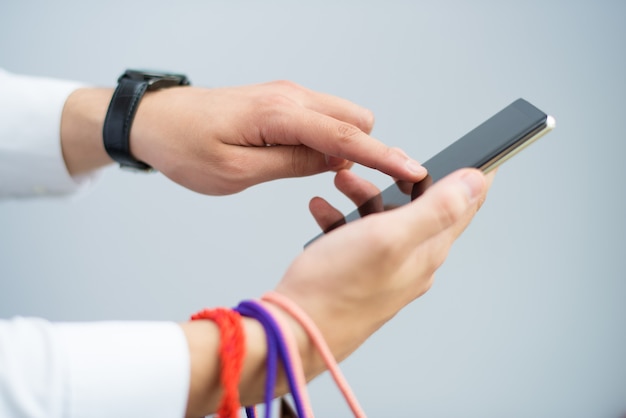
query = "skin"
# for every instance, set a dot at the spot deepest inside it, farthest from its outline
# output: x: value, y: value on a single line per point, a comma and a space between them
x: 222, y: 141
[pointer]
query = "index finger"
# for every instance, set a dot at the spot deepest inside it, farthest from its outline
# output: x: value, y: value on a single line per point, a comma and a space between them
x: 299, y: 125
x: 340, y: 109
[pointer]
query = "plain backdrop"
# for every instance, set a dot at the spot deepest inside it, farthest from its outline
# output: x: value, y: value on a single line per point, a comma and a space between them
x: 527, y: 317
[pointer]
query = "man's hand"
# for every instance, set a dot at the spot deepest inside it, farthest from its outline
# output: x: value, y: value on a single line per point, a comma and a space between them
x: 350, y: 281
x: 221, y: 141
x: 357, y: 277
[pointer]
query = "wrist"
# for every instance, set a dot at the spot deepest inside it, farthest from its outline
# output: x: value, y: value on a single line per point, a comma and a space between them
x: 312, y: 362
x: 148, y: 127
x: 205, y: 388
x: 81, y: 130
x: 128, y: 95
x: 344, y: 328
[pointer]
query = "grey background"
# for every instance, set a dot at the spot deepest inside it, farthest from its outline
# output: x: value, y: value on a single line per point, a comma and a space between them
x: 528, y: 315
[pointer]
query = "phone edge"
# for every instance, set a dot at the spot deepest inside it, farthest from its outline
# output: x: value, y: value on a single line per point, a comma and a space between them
x: 519, y: 146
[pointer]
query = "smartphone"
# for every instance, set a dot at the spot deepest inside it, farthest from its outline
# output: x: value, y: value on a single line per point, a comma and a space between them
x: 485, y: 147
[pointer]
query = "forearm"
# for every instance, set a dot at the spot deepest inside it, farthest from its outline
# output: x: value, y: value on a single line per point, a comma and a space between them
x: 81, y: 130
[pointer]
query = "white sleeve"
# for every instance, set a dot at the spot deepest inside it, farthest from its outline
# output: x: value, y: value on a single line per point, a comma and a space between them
x: 31, y: 161
x: 101, y: 369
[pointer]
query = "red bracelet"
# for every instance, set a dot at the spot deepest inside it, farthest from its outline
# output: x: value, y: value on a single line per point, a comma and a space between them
x: 231, y: 351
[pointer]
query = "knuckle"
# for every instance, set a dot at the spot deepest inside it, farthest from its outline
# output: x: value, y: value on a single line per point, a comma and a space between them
x: 432, y: 259
x: 385, y: 153
x: 301, y: 162
x: 380, y: 238
x: 427, y: 284
x: 272, y: 109
x: 286, y: 88
x: 275, y: 95
x: 437, y: 259
x: 230, y: 172
x: 367, y: 120
x: 439, y: 251
x: 285, y: 85
x: 390, y: 152
x: 273, y: 102
x: 395, y: 150
x: 296, y: 162
x: 347, y: 133
x: 449, y: 209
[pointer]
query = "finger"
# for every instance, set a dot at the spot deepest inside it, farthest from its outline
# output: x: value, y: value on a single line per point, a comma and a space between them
x: 405, y: 186
x: 327, y: 104
x: 452, y: 233
x: 360, y: 191
x: 357, y: 189
x: 430, y: 254
x: 336, y: 163
x: 263, y: 164
x: 444, y: 204
x: 296, y: 125
x: 433, y: 252
x: 325, y: 214
x: 365, y: 195
x: 340, y: 109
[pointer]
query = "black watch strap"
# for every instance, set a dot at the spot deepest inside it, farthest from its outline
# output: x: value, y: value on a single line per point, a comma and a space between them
x: 119, y: 118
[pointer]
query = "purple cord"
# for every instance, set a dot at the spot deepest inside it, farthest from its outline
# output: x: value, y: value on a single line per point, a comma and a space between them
x: 272, y: 358
x: 276, y: 340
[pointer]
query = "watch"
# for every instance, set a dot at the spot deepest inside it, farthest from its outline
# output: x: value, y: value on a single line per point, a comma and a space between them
x: 131, y: 87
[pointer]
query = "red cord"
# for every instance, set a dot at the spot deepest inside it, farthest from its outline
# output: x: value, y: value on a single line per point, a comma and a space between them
x: 231, y: 351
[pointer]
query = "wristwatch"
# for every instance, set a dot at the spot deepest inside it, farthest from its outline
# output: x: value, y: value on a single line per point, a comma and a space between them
x: 131, y: 87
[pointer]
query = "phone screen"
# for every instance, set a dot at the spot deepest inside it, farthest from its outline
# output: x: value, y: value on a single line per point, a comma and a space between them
x: 485, y: 147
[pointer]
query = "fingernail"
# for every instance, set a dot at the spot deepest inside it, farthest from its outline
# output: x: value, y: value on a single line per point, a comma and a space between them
x: 415, y: 167
x: 474, y: 182
x: 333, y: 162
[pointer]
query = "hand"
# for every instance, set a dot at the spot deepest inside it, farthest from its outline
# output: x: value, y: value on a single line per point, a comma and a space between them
x: 355, y: 278
x: 221, y: 141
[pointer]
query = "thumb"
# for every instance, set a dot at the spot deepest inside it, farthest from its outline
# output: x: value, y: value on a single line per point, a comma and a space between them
x: 443, y: 205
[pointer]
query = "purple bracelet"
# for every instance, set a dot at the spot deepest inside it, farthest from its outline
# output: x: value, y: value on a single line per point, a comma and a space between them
x: 272, y: 357
x: 276, y: 345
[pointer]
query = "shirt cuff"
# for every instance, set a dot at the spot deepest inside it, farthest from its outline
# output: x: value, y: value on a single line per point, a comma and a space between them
x: 95, y: 369
x: 124, y: 369
x: 30, y: 147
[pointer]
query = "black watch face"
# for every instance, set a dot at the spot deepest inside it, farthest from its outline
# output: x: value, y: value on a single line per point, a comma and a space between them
x: 153, y: 77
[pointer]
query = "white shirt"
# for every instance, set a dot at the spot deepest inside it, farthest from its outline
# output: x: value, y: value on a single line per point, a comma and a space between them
x: 102, y: 369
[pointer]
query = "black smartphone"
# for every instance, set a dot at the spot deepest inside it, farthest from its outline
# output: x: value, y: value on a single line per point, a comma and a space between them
x: 486, y: 147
